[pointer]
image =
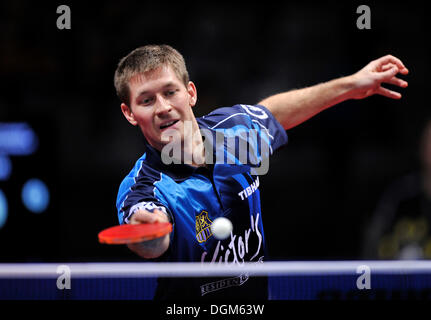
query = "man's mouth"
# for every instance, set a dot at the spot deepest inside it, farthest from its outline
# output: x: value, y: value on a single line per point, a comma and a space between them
x: 168, y: 124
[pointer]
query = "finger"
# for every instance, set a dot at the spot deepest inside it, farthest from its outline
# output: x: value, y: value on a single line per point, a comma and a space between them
x: 387, y: 66
x: 388, y: 93
x: 404, y: 71
x: 398, y: 82
x: 388, y: 74
x: 142, y: 216
x: 391, y: 59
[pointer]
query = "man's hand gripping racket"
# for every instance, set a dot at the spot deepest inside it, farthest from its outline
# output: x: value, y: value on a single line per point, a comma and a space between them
x: 143, y: 226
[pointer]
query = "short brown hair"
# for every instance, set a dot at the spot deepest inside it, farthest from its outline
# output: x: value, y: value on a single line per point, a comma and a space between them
x: 144, y: 59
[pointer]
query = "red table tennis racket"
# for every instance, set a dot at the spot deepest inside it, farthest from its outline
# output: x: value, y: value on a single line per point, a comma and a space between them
x: 133, y: 233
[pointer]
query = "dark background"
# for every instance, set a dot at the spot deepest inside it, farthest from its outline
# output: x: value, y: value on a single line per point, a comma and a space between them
x: 322, y: 188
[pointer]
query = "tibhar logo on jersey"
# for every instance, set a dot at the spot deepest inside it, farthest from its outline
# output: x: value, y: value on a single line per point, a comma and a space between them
x: 250, y: 189
x: 203, y: 227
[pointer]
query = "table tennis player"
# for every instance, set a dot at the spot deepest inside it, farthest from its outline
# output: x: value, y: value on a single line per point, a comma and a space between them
x: 207, y: 178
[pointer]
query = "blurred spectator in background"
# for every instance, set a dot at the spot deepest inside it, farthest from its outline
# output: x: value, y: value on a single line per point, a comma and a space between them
x: 400, y: 227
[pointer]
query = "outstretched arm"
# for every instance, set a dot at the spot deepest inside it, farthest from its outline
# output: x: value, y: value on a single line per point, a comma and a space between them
x: 294, y: 107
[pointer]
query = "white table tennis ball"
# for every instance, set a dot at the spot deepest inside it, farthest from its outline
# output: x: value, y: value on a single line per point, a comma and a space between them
x: 221, y: 228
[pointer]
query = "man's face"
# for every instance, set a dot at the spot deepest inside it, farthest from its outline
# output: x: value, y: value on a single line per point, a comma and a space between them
x: 159, y: 101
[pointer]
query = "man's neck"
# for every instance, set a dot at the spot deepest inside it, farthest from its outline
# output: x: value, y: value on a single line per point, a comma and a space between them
x: 195, y: 150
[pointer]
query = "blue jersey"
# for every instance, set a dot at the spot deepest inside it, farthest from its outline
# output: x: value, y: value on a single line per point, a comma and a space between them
x: 193, y: 197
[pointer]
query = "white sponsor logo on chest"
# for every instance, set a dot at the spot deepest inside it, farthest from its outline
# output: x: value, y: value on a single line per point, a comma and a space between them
x: 247, y: 192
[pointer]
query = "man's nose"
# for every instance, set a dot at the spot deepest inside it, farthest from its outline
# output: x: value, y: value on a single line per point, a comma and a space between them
x: 162, y: 106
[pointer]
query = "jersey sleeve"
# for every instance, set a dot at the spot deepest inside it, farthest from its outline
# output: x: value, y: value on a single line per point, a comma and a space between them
x: 137, y: 192
x: 251, y: 134
x: 270, y: 127
x: 255, y: 117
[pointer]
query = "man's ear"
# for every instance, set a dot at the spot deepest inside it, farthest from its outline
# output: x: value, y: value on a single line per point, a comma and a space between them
x: 191, y: 89
x: 128, y: 114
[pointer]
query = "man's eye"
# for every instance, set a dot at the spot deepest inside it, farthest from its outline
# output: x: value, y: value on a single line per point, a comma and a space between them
x: 171, y: 92
x: 146, y: 101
